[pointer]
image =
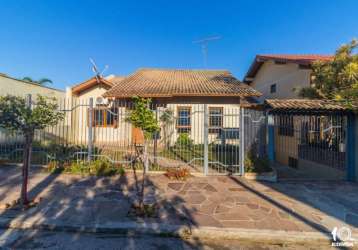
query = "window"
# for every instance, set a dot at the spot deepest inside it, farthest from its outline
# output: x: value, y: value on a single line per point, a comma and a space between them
x: 184, y: 120
x: 286, y: 125
x: 104, y: 117
x: 304, y: 66
x: 215, y: 119
x: 273, y: 88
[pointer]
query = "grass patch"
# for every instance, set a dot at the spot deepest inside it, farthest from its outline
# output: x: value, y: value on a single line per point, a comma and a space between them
x: 98, y: 167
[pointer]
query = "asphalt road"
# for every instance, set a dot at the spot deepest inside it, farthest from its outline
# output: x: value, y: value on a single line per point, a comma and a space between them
x: 30, y: 239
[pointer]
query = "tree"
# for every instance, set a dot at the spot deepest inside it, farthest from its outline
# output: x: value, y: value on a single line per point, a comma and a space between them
x: 143, y: 118
x: 336, y: 79
x: 42, y: 81
x: 18, y: 115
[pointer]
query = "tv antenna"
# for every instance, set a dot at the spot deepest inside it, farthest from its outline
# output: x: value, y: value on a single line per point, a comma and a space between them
x: 95, y: 70
x: 204, y: 46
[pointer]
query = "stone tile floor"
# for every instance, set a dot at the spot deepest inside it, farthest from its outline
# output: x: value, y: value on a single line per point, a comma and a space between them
x: 215, y: 201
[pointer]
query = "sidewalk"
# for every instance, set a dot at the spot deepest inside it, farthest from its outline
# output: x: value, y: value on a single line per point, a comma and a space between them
x: 203, y: 206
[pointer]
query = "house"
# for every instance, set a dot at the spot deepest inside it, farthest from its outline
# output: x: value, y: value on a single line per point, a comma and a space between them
x: 13, y: 86
x: 184, y: 93
x: 178, y: 92
x: 276, y: 75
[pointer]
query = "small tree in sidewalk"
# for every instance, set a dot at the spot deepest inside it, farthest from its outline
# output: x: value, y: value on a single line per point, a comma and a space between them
x: 18, y: 115
x: 143, y: 118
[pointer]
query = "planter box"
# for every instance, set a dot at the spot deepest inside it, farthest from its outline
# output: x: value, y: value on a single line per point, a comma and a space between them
x: 266, y: 176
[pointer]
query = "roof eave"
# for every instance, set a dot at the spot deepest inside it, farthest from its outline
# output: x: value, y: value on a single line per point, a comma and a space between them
x: 182, y: 95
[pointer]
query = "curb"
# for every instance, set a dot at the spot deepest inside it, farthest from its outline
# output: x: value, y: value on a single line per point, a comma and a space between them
x: 181, y: 231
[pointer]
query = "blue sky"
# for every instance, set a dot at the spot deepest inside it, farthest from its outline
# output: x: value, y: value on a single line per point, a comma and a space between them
x: 55, y: 39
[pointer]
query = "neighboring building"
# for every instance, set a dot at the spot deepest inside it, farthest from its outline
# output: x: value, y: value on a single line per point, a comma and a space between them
x: 13, y: 86
x: 276, y: 76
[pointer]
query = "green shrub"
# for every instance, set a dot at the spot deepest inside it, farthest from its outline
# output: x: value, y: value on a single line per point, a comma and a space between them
x: 184, y: 140
x: 255, y: 164
x: 99, y: 167
x: 102, y: 167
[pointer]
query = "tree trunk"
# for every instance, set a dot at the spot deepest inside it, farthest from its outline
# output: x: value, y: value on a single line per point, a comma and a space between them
x: 145, y: 168
x: 25, y: 169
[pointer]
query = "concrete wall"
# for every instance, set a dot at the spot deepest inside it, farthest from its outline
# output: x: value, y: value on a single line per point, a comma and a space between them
x: 10, y: 86
x: 285, y: 76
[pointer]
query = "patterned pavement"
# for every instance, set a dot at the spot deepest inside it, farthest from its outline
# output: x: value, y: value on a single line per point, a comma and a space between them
x: 215, y: 201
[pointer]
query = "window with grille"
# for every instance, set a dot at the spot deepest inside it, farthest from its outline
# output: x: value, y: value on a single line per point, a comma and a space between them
x: 184, y: 120
x: 215, y: 119
x: 103, y: 117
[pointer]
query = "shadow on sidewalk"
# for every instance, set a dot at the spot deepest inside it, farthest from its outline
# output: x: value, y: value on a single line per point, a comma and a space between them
x: 72, y: 201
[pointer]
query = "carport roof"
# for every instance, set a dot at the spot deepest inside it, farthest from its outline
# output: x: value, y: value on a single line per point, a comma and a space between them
x: 305, y: 105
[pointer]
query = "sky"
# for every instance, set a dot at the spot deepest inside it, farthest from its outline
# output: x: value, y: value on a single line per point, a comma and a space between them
x: 56, y: 38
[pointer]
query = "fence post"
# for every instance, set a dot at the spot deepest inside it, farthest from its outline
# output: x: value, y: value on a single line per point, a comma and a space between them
x: 90, y: 130
x: 351, y: 145
x: 206, y: 140
x: 242, y: 141
x: 271, y: 137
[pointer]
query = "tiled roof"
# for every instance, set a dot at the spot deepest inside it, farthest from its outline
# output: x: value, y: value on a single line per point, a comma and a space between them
x: 115, y: 79
x: 180, y: 82
x: 304, y: 105
x: 77, y: 89
x: 285, y: 58
x: 295, y: 58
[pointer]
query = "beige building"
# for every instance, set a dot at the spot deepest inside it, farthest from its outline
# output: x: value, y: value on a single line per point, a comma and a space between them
x: 182, y: 93
x: 13, y: 86
x: 276, y: 76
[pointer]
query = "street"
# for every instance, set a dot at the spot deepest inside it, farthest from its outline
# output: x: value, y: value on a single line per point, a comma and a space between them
x: 31, y: 239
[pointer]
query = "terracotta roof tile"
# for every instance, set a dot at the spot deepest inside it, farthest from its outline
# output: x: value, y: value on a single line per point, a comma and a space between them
x: 78, y: 88
x: 180, y: 82
x: 296, y: 58
x: 304, y: 104
x: 288, y: 58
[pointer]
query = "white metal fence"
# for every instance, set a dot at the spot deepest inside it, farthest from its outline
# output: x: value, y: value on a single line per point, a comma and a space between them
x: 201, y: 137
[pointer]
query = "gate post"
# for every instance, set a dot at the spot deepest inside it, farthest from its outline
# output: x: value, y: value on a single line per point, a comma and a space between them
x: 271, y: 137
x: 206, y: 140
x: 352, y: 133
x: 90, y: 130
x: 242, y: 141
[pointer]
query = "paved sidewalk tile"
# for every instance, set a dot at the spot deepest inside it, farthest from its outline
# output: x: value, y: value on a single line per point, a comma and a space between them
x: 215, y: 201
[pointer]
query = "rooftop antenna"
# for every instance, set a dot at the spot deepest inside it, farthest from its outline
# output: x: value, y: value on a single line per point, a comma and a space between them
x: 204, y: 46
x: 95, y: 70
